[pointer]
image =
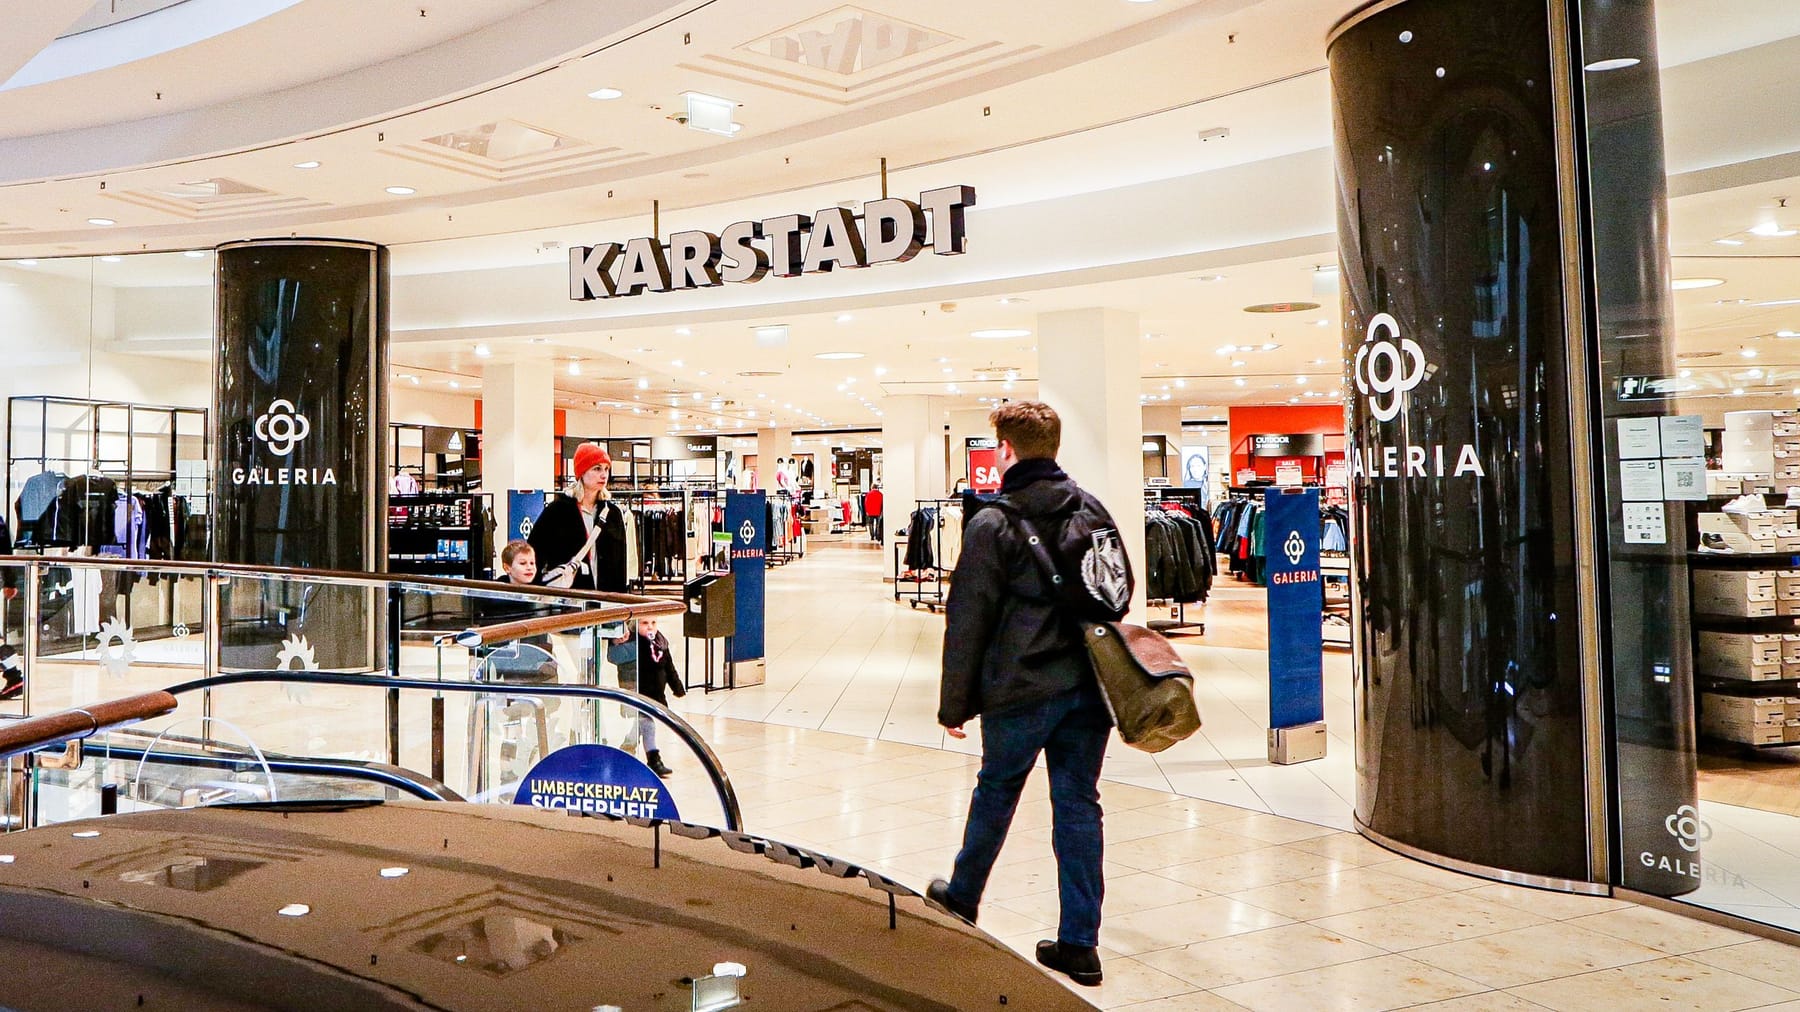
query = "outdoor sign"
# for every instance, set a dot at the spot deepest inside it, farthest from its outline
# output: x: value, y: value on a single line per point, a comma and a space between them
x: 889, y: 230
x: 597, y: 778
x: 984, y: 463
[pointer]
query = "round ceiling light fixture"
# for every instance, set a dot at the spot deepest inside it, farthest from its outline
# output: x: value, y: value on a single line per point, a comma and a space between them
x: 605, y: 94
x: 1282, y: 307
x: 401, y: 191
x: 999, y: 333
x: 838, y: 356
x: 1689, y: 284
x: 101, y: 221
x: 308, y: 164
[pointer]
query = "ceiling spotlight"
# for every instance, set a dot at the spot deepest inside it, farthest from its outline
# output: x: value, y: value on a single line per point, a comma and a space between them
x: 575, y: 370
x: 311, y: 163
x: 675, y: 362
x: 1689, y: 284
x: 482, y: 351
x: 881, y: 370
x: 295, y: 910
x: 1728, y: 242
x: 28, y: 263
x: 401, y: 191
x: 111, y: 259
x: 1209, y: 278
x: 999, y: 333
x: 838, y: 356
x: 1737, y: 392
x: 606, y: 94
x: 1685, y: 373
x: 194, y: 254
x: 1748, y: 353
x: 1239, y: 381
x: 101, y: 221
x: 844, y: 318
x: 455, y: 385
x: 1181, y: 384
x: 1771, y: 230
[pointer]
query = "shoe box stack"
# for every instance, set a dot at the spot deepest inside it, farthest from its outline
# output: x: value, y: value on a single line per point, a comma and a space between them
x: 1746, y: 525
x: 1752, y: 720
x: 1748, y: 657
x: 1784, y: 433
x: 1755, y: 593
x: 1748, y: 443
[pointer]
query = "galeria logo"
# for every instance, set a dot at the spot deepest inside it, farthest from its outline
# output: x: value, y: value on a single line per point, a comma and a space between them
x: 1404, y: 367
x: 1688, y: 828
x: 1294, y: 547
x: 282, y: 427
x: 746, y: 532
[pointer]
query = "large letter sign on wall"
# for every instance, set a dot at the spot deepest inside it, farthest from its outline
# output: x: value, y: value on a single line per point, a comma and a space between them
x: 890, y: 230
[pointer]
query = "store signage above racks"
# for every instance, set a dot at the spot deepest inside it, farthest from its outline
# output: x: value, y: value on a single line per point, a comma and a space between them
x: 890, y: 230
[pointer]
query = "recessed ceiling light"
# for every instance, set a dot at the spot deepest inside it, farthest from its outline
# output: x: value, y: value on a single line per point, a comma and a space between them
x: 1207, y: 277
x: 683, y: 332
x: 575, y: 370
x: 295, y: 910
x: 710, y: 113
x: 881, y: 370
x: 110, y: 259
x: 1748, y: 353
x: 1738, y: 392
x: 675, y: 362
x: 395, y: 872
x: 483, y: 351
x: 1239, y: 381
x: 28, y: 263
x: 308, y: 164
x: 194, y: 254
x: 606, y: 94
x: 1771, y: 230
x: 1689, y: 284
x: 454, y: 385
x: 1602, y: 66
x: 85, y: 834
x: 1728, y: 242
x: 845, y: 318
x: 999, y: 334
x: 401, y: 191
x: 1685, y: 373
x: 538, y: 340
x: 101, y: 221
x: 838, y: 356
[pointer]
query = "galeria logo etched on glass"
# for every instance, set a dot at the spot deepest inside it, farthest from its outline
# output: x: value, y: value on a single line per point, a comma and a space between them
x: 1688, y: 828
x: 282, y: 427
x: 1387, y: 371
x: 1389, y: 368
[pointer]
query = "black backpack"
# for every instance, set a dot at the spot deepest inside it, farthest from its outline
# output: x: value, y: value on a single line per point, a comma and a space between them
x: 1091, y: 579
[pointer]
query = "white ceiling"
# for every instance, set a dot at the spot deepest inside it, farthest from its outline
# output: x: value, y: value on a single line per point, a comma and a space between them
x: 1061, y: 100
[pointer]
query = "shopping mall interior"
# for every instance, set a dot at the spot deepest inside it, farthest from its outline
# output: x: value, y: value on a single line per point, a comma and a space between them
x: 1150, y: 240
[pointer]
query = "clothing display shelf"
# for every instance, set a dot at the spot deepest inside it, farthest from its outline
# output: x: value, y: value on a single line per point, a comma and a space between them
x: 138, y: 446
x: 439, y: 458
x: 921, y: 575
x: 1780, y: 633
x: 674, y: 529
x: 1193, y: 501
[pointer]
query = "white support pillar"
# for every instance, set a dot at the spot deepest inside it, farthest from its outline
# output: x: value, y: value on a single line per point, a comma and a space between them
x: 518, y: 432
x: 912, y: 459
x: 1165, y: 421
x: 771, y: 445
x: 1088, y: 370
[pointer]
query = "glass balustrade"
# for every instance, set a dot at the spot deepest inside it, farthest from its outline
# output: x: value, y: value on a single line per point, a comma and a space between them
x: 294, y: 685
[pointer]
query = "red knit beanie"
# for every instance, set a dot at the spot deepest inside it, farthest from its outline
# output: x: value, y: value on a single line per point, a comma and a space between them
x: 589, y: 456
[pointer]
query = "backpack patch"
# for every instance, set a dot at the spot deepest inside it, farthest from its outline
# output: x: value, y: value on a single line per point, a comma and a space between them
x: 1105, y: 571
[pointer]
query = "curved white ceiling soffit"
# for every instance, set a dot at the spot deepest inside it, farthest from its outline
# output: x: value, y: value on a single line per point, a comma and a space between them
x: 114, y: 43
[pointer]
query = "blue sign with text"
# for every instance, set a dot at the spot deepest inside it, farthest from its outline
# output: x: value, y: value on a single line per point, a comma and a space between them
x: 747, y: 521
x: 522, y: 509
x: 1296, y: 606
x: 597, y: 778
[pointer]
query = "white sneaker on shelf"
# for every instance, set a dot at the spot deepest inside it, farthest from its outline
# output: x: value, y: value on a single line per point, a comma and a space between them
x: 1750, y: 503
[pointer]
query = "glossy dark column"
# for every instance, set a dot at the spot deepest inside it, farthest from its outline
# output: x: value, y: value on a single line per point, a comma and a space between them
x: 1650, y: 661
x: 1470, y: 737
x: 299, y: 420
x: 300, y: 404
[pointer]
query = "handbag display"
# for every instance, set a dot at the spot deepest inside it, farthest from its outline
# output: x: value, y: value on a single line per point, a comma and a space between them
x: 1147, y: 687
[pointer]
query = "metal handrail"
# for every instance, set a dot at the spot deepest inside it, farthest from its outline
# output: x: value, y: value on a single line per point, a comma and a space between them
x: 518, y: 629
x: 416, y: 784
x: 31, y: 734
x: 728, y: 801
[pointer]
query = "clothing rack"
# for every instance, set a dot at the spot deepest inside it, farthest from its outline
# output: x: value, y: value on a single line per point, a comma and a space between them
x: 783, y: 545
x: 1193, y: 500
x: 670, y: 526
x: 920, y: 577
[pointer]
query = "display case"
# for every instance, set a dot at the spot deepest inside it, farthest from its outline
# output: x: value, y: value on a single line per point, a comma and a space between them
x: 440, y: 534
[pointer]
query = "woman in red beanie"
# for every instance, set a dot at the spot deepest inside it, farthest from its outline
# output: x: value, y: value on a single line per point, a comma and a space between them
x: 583, y: 530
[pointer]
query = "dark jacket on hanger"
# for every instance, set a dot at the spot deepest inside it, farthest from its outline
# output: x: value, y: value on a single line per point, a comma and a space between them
x: 560, y: 532
x: 84, y: 514
x: 1005, y: 642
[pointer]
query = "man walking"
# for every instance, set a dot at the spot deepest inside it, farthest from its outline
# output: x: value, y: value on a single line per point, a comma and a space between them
x: 1012, y: 658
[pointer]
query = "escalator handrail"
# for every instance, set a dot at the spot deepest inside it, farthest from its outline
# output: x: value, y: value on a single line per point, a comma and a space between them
x: 728, y: 800
x: 416, y: 784
x: 30, y: 734
x: 518, y: 629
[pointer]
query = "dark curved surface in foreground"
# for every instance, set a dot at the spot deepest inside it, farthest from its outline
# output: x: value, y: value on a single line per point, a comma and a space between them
x: 497, y: 908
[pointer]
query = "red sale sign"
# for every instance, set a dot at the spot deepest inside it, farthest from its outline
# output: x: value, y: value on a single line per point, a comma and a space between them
x: 984, y: 470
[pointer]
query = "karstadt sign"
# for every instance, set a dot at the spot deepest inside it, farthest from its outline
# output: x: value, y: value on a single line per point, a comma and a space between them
x: 890, y: 230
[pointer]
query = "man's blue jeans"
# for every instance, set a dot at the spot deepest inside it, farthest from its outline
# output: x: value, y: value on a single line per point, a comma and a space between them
x: 1071, y: 730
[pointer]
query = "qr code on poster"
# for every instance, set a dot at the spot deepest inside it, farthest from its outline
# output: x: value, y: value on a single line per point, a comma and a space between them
x: 1686, y: 480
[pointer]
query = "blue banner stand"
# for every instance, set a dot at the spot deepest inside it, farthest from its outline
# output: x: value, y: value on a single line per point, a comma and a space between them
x: 522, y: 508
x: 1296, y: 639
x: 746, y: 520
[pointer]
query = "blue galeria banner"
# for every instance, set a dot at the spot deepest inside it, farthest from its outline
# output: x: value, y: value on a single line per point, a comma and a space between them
x: 1296, y: 603
x: 597, y: 778
x: 747, y: 519
x: 522, y: 509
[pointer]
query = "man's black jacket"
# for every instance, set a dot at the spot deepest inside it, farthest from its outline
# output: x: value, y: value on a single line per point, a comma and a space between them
x: 1004, y: 644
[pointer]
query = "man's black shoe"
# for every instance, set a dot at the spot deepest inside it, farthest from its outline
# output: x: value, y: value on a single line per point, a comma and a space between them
x: 1081, y: 963
x: 938, y: 895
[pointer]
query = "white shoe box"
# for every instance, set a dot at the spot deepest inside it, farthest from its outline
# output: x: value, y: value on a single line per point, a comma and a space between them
x: 1736, y: 584
x: 1738, y: 650
x: 1758, y: 720
x: 1790, y: 650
